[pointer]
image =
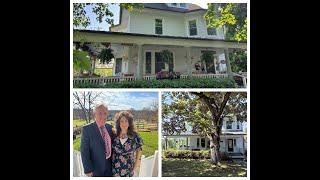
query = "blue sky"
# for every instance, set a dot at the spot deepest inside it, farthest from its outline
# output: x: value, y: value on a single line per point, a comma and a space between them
x: 128, y: 100
x: 114, y: 8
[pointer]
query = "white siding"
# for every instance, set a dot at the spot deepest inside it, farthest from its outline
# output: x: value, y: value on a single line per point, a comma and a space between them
x: 174, y: 24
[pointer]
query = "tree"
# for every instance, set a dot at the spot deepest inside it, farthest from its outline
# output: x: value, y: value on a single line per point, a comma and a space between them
x: 238, y: 61
x: 85, y: 101
x: 101, y: 10
x: 81, y: 61
x: 230, y: 16
x: 204, y: 111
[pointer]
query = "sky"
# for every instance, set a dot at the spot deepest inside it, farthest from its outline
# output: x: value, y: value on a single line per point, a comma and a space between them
x: 128, y: 100
x: 114, y: 8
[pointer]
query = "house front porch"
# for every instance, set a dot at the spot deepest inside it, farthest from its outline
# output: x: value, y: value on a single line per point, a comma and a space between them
x: 137, y: 56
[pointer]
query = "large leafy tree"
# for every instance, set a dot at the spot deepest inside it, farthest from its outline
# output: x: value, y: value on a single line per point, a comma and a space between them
x: 230, y: 16
x: 102, y: 11
x: 204, y: 111
x: 238, y: 61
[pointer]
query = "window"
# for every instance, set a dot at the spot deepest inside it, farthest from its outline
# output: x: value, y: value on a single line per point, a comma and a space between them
x: 229, y: 124
x: 158, y: 26
x: 211, y: 31
x: 198, y: 142
x: 148, y: 62
x: 193, y: 27
x: 238, y: 125
x: 173, y: 4
x: 203, y: 142
x: 234, y: 142
x: 118, y: 65
x: 184, y: 5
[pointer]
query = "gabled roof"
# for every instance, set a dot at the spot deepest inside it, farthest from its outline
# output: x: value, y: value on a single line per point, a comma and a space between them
x: 165, y: 7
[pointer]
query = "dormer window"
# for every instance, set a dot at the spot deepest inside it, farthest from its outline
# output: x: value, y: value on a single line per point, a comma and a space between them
x: 193, y: 28
x: 158, y: 26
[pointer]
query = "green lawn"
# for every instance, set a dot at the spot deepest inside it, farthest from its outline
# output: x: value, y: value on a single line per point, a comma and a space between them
x: 204, y: 168
x: 150, y: 143
x: 104, y: 71
x: 76, y: 144
x: 78, y: 122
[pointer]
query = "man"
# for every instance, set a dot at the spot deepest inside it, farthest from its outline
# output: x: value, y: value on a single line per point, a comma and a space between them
x: 95, y: 144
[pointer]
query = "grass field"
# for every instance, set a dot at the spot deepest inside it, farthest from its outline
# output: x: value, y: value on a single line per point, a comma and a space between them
x: 78, y: 122
x: 202, y: 168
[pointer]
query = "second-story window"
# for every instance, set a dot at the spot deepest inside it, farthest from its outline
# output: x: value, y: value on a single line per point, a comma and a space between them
x: 238, y: 125
x: 193, y: 28
x: 158, y: 26
x: 211, y: 31
x: 229, y: 124
x: 184, y: 5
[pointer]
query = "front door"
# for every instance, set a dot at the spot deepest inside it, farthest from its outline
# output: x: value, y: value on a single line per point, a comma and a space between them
x: 230, y: 145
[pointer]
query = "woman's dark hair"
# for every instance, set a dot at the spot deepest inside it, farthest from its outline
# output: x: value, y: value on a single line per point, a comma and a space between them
x: 129, y: 117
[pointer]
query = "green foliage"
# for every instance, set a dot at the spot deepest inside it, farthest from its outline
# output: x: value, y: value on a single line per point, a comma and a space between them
x: 105, y: 55
x: 81, y: 61
x: 232, y: 16
x: 204, y: 111
x: 238, y: 61
x: 166, y: 55
x: 176, y: 83
x: 220, y: 16
x: 187, y: 154
x: 80, y: 17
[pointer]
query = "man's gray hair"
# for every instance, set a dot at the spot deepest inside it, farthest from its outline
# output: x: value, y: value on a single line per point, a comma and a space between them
x: 98, y: 105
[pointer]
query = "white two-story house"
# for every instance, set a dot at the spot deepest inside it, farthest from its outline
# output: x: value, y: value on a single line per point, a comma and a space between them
x: 233, y: 139
x: 180, y: 28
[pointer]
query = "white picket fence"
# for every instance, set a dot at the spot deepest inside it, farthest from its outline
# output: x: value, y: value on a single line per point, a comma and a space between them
x: 148, y: 166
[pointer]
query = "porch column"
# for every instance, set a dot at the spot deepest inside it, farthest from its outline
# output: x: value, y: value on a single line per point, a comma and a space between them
x: 189, y: 63
x: 140, y: 62
x: 226, y: 53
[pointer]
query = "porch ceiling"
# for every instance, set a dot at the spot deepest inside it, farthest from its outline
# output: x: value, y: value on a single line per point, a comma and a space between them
x: 118, y: 37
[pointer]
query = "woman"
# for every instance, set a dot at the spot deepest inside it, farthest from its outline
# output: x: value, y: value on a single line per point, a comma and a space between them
x: 126, y: 146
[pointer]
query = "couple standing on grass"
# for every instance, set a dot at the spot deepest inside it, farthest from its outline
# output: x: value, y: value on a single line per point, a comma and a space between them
x: 110, y: 152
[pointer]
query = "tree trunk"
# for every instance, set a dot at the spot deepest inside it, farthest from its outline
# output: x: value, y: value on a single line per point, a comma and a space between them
x: 215, y: 148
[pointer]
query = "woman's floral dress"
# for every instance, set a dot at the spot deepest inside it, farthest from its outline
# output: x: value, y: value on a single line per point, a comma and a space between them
x: 123, y: 156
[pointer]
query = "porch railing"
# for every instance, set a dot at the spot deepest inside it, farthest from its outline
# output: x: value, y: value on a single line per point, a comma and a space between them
x: 105, y: 80
x: 244, y: 78
x: 149, y: 77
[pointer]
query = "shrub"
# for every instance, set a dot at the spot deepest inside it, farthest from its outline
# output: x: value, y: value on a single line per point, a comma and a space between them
x: 166, y: 83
